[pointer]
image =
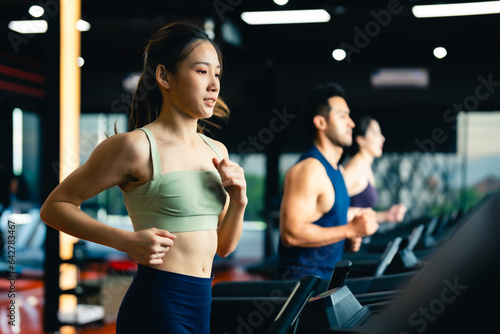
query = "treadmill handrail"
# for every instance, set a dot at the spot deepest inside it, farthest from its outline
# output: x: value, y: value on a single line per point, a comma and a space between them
x: 289, y: 313
x: 414, y: 237
x: 389, y: 253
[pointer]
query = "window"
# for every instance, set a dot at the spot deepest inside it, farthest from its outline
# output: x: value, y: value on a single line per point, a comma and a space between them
x: 93, y: 130
x: 255, y: 175
x: 479, y: 146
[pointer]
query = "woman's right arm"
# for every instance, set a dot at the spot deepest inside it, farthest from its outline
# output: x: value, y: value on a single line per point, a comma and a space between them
x: 116, y: 161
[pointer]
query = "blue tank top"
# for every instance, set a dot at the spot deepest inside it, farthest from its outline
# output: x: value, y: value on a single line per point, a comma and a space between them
x: 368, y: 198
x: 297, y: 262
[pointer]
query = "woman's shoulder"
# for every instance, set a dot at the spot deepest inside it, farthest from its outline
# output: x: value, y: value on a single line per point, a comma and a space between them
x: 132, y: 145
x: 355, y: 175
x: 354, y: 166
x: 131, y: 140
x: 220, y: 146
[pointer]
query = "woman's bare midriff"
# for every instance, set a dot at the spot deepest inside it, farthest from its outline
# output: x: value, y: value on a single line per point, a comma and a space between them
x: 192, y: 254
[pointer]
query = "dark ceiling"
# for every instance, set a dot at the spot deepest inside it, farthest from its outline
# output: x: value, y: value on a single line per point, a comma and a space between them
x: 121, y: 28
x: 273, y: 66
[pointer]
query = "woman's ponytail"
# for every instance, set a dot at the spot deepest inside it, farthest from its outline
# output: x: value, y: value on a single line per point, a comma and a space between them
x: 146, y: 101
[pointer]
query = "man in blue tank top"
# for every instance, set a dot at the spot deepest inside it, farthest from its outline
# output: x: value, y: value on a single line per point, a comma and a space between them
x: 313, y: 217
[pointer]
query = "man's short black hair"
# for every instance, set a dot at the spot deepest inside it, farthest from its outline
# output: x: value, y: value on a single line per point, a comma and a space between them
x: 316, y: 103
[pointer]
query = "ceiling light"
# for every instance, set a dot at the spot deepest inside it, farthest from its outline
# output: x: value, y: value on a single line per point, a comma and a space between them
x: 29, y: 26
x: 209, y: 27
x: 131, y: 81
x: 440, y: 52
x: 286, y: 16
x: 456, y: 9
x: 338, y: 54
x: 281, y: 2
x: 230, y: 33
x: 82, y: 25
x: 36, y: 11
x: 339, y: 10
x: 17, y: 141
x: 408, y: 77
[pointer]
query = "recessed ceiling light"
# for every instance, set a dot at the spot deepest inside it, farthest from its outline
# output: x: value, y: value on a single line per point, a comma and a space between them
x: 440, y: 52
x: 338, y: 54
x: 281, y: 2
x: 82, y: 25
x: 131, y: 81
x: 36, y: 11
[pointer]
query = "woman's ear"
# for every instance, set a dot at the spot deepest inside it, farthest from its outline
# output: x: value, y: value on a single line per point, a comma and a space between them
x: 360, y: 140
x: 162, y: 76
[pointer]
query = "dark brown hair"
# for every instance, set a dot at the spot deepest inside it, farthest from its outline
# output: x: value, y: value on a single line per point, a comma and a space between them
x: 168, y: 47
x: 316, y: 103
x: 362, y: 125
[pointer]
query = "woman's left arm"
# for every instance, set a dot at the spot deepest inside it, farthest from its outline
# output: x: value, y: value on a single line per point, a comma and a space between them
x: 230, y: 224
x: 395, y: 214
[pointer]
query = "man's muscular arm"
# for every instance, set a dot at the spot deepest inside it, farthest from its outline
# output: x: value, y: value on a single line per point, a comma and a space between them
x: 304, y: 184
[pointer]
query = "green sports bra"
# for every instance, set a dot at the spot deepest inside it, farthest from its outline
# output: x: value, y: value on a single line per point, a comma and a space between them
x: 180, y: 201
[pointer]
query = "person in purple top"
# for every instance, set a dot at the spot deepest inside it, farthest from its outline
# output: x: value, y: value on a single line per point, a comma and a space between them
x: 358, y: 173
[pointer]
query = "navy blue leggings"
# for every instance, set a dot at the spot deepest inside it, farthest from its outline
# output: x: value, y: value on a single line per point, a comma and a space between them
x: 164, y: 302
